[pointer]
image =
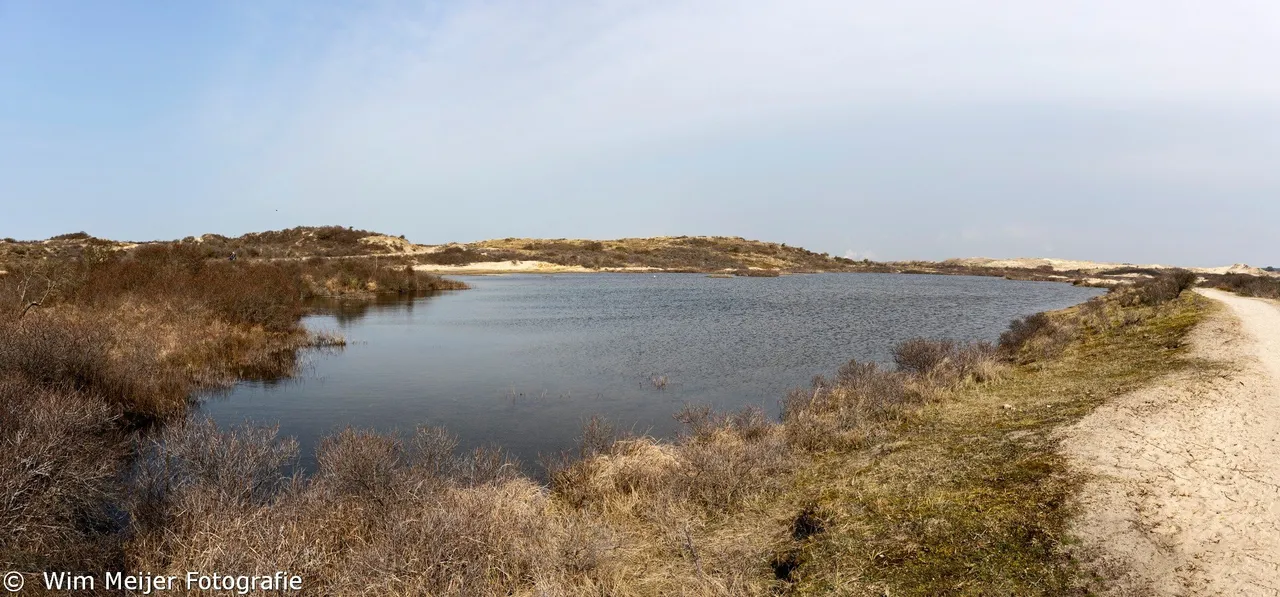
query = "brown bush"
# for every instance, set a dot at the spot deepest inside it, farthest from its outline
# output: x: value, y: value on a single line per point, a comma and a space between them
x: 456, y: 256
x: 60, y: 452
x: 86, y: 355
x: 1022, y: 330
x: 1159, y: 289
x: 192, y: 463
x: 268, y: 295
x: 921, y: 356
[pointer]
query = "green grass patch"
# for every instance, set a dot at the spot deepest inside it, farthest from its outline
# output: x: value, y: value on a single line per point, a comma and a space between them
x: 973, y: 497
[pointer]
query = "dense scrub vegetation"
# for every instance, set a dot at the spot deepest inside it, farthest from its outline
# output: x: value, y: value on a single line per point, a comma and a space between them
x: 303, y: 241
x: 1247, y: 285
x: 680, y: 253
x: 902, y: 480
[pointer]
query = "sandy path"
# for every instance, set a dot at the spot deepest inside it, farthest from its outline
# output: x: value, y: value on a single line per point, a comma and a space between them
x: 1185, y: 490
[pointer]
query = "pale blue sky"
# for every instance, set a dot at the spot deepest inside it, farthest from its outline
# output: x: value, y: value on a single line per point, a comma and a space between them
x: 1140, y: 131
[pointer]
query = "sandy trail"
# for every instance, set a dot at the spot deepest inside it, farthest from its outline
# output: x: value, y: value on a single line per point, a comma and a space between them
x: 1185, y: 490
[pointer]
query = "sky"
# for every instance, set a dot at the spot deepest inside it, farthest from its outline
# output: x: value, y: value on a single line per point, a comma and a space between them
x: 1143, y: 131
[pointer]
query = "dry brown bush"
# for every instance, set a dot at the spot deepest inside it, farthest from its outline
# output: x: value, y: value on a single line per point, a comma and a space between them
x: 60, y: 452
x: 67, y: 350
x: 921, y: 356
x: 947, y: 362
x: 1157, y: 290
x: 1247, y: 285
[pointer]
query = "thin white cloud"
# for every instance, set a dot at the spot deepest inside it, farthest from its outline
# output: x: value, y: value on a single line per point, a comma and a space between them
x: 402, y: 95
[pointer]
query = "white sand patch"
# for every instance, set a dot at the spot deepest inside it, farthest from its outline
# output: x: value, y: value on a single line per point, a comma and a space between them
x: 503, y: 267
x: 1098, y: 266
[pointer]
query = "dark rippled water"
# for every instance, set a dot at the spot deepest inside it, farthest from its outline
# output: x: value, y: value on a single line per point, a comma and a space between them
x: 520, y: 361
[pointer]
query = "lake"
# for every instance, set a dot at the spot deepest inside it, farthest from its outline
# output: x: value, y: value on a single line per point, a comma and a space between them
x: 520, y: 361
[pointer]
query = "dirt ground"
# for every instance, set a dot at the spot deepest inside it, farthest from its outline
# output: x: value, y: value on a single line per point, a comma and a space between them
x: 1184, y: 496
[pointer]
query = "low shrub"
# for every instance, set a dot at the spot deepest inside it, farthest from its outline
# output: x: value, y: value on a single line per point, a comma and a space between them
x: 336, y: 277
x: 1159, y: 289
x: 1022, y: 330
x: 456, y: 256
x: 921, y: 356
x: 82, y: 235
x: 946, y: 362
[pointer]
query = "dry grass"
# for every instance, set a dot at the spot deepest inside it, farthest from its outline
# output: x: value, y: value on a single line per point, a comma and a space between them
x: 378, y: 518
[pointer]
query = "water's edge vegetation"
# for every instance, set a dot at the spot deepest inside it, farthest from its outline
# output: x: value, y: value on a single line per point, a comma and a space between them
x: 937, y: 476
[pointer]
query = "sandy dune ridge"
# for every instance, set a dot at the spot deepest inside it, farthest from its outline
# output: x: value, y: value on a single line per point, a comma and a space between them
x: 1065, y: 265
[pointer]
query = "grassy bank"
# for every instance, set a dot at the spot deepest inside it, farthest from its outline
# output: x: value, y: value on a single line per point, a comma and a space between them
x: 972, y: 497
x: 938, y: 475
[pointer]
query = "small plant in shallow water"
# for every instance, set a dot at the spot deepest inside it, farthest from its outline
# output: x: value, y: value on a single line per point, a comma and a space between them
x: 327, y: 339
x: 659, y: 381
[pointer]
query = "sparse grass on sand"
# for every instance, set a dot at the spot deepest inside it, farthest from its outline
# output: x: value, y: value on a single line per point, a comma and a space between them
x: 937, y: 476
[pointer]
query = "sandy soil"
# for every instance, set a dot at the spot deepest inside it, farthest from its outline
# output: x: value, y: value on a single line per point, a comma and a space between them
x: 1185, y: 490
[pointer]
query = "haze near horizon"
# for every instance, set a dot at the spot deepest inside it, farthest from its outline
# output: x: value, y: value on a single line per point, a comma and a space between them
x: 1140, y: 132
